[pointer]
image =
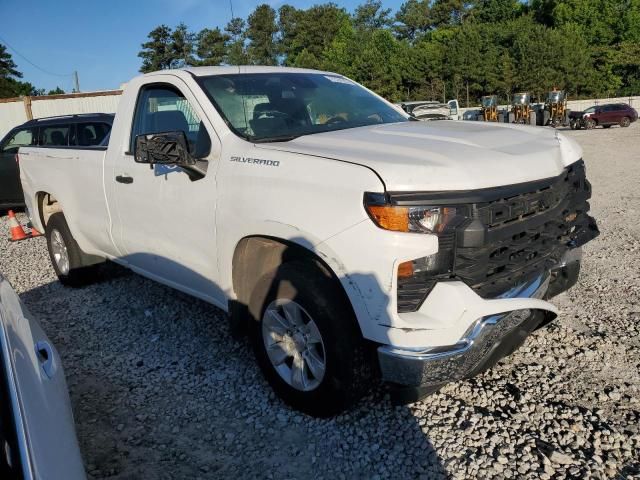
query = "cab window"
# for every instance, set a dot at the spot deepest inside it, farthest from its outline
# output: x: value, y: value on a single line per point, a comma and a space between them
x: 54, y: 135
x: 91, y: 134
x: 21, y: 138
x: 162, y: 108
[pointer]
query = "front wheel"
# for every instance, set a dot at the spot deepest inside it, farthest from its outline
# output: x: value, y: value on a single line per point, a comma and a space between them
x: 73, y: 267
x: 589, y: 124
x: 306, y: 339
x: 625, y: 122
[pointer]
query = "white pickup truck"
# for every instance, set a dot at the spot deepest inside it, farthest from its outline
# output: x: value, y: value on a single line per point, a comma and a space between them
x: 346, y: 239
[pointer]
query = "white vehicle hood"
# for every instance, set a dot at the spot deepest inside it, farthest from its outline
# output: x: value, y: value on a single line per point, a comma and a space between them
x: 445, y: 155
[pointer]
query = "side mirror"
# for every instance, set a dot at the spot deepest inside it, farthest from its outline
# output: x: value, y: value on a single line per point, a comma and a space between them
x: 167, y: 148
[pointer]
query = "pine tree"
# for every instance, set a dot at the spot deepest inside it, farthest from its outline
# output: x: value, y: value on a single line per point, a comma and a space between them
x: 157, y: 53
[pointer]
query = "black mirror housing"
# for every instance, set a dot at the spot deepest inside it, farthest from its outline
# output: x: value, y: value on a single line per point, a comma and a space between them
x: 166, y: 148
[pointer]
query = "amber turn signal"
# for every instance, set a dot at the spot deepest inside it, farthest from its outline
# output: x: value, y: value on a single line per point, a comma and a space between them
x: 390, y: 218
x: 405, y: 270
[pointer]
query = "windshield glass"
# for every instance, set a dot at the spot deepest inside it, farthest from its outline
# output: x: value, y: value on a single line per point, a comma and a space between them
x: 555, y: 97
x: 489, y: 101
x: 521, y: 98
x: 281, y: 106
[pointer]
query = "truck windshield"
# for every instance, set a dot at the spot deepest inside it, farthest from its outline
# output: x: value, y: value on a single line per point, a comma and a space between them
x: 270, y: 107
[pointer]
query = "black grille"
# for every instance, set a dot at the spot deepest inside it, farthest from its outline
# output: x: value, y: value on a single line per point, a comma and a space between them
x: 509, y: 239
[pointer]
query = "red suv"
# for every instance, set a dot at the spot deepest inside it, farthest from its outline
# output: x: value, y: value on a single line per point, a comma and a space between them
x: 605, y: 115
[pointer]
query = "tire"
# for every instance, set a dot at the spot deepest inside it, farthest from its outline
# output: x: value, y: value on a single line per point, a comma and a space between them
x: 573, y: 125
x: 625, y: 122
x: 73, y: 267
x: 590, y: 124
x: 302, y: 290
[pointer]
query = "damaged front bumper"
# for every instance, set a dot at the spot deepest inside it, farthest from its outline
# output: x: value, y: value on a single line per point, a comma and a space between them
x: 420, y: 371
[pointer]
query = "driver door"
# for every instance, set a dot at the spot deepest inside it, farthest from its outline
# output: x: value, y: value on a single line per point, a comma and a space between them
x: 10, y: 187
x: 165, y: 224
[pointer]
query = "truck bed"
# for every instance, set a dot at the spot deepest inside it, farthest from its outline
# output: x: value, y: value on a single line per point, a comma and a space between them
x: 76, y: 175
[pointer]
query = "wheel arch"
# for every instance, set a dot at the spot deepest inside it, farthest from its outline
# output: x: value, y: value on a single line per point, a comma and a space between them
x: 46, y: 204
x: 257, y: 255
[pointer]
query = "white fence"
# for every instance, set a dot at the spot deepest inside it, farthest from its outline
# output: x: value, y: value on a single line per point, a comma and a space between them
x: 14, y: 111
x: 578, y: 105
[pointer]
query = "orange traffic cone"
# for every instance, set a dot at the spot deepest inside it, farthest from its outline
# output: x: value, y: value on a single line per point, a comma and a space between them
x: 17, y: 233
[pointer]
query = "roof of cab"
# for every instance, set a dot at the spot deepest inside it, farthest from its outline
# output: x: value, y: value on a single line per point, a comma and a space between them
x: 74, y: 118
x: 62, y: 119
x: 229, y: 70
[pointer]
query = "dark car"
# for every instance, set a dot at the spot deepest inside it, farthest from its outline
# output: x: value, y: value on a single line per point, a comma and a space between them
x: 85, y: 130
x: 604, y: 115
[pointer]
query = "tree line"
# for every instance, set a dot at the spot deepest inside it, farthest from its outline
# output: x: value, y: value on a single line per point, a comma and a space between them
x: 11, y: 84
x: 430, y: 49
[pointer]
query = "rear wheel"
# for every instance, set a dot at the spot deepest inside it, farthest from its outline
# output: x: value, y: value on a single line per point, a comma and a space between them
x: 73, y: 267
x: 625, y: 122
x: 306, y: 339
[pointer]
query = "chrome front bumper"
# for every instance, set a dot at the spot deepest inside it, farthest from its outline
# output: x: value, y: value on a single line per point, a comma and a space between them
x: 483, y: 344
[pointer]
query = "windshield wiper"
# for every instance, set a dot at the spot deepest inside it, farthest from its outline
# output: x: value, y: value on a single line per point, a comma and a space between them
x: 277, y: 138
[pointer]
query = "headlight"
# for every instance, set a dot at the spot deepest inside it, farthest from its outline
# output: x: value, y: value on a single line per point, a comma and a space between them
x: 427, y: 219
x: 415, y: 278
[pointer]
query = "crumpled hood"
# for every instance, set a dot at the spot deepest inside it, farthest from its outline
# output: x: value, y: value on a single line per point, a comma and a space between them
x: 444, y: 155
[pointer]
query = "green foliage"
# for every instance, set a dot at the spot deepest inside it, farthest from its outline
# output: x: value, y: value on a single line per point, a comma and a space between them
x: 211, y: 46
x: 261, y: 33
x: 413, y: 19
x: 371, y: 16
x: 449, y: 12
x: 431, y: 49
x: 7, y: 65
x: 157, y: 53
x: 56, y: 91
x: 182, y: 47
x: 308, y: 33
x: 495, y: 11
x: 10, y: 86
x: 236, y: 53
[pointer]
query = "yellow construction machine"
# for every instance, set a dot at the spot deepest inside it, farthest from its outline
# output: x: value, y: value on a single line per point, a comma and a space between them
x: 489, y: 109
x: 555, y: 109
x: 521, y: 111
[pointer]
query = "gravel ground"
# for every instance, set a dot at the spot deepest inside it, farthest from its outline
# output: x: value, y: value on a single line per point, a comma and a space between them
x: 160, y: 390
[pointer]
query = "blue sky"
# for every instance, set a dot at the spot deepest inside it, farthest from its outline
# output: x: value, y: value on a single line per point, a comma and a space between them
x: 101, y: 39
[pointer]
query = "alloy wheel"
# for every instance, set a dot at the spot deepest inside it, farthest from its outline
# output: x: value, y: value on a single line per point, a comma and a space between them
x: 294, y: 344
x: 59, y: 251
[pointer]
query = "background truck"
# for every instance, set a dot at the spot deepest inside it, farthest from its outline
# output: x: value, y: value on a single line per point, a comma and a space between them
x: 432, y: 110
x: 84, y: 130
x: 345, y: 238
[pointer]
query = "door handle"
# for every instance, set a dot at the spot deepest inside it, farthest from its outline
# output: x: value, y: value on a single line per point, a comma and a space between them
x: 124, y: 179
x: 45, y: 356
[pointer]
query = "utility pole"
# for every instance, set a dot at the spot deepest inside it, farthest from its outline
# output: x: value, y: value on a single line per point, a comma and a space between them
x: 467, y: 94
x: 76, y: 82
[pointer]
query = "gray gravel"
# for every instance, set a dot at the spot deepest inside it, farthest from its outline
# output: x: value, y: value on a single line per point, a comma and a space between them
x: 160, y: 390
